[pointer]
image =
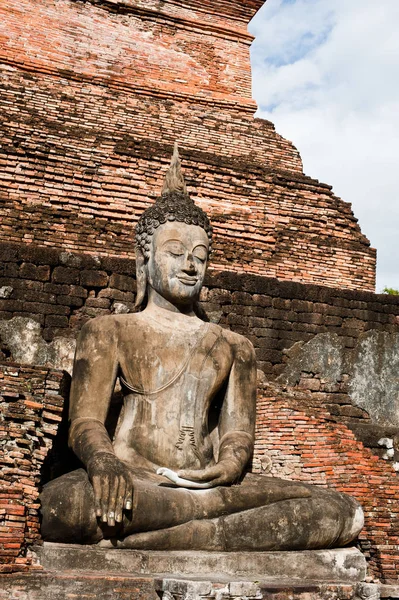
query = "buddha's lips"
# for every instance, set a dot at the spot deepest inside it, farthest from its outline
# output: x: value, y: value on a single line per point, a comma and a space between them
x: 188, y: 280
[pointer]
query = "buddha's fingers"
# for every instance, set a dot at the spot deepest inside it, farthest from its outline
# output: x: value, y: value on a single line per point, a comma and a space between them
x: 104, y: 498
x: 208, y: 474
x: 129, y: 496
x: 120, y: 503
x: 96, y: 483
x: 186, y: 483
x: 113, y: 493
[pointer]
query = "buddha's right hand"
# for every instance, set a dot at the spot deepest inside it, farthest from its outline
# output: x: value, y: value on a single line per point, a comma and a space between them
x: 113, y: 486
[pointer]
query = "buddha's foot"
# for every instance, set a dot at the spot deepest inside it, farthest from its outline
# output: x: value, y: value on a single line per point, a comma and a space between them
x: 194, y: 535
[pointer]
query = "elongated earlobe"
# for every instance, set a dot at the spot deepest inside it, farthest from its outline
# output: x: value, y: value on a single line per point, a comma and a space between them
x: 141, y: 277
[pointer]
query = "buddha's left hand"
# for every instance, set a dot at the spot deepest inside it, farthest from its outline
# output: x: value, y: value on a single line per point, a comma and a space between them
x: 224, y: 472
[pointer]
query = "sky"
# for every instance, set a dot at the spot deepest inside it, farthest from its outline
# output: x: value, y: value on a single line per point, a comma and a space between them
x: 326, y: 73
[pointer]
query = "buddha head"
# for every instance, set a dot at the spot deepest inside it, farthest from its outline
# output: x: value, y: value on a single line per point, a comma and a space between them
x: 173, y: 241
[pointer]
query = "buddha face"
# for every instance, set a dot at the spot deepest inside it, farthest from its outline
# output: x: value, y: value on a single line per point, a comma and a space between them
x: 177, y: 263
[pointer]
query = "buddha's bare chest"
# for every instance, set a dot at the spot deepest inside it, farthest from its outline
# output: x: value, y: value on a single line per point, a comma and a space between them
x: 169, y: 387
x: 148, y: 359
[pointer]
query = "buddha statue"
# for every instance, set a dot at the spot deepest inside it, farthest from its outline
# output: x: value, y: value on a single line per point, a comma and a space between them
x: 173, y: 477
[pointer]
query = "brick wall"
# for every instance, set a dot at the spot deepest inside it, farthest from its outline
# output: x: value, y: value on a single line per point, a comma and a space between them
x: 31, y: 406
x: 93, y: 97
x: 61, y: 290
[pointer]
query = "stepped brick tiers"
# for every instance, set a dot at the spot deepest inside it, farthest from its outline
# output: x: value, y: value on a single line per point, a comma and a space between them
x: 93, y: 96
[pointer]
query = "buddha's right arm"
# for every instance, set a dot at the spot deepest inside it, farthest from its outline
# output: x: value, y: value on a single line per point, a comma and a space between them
x: 88, y: 437
x: 93, y: 381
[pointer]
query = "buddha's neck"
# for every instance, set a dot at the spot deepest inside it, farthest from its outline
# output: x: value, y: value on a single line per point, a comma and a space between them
x: 158, y: 303
x: 164, y: 312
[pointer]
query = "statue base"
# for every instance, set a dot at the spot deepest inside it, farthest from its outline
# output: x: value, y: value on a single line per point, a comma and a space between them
x: 76, y: 571
x: 344, y: 564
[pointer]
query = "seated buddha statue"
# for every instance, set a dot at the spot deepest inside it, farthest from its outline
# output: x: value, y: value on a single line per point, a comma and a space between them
x: 174, y: 476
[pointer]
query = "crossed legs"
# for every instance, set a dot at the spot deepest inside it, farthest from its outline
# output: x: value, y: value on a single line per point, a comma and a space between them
x: 261, y: 513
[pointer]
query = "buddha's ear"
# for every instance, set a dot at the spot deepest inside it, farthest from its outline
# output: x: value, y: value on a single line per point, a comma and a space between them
x: 141, y: 277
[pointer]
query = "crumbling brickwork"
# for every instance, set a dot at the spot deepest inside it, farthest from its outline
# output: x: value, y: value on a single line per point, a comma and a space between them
x: 93, y: 95
x: 31, y: 406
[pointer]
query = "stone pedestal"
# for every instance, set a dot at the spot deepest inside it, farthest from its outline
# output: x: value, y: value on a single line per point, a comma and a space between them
x: 343, y: 565
x: 95, y: 572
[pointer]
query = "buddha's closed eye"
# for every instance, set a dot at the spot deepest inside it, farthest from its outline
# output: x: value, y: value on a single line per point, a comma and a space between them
x: 200, y: 253
x: 175, y: 248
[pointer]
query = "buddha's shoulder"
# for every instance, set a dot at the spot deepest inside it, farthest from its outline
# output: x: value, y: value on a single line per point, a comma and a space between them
x: 111, y: 324
x: 240, y: 344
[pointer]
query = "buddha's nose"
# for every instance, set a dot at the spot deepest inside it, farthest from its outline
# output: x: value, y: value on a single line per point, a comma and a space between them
x: 189, y: 265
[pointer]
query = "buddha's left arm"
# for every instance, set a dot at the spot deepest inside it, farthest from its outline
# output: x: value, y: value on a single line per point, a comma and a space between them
x: 237, y: 421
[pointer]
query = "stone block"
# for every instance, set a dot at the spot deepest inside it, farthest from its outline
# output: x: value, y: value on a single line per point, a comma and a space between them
x: 56, y: 321
x: 30, y: 271
x: 94, y: 279
x: 123, y: 283
x: 390, y: 591
x: 77, y: 290
x: 65, y: 275
x: 55, y: 288
x: 98, y: 303
x: 344, y: 564
x: 116, y: 295
x: 73, y: 301
x: 48, y: 586
x: 6, y: 291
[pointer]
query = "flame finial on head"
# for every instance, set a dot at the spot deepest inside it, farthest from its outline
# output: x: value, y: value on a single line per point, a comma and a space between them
x: 174, y: 180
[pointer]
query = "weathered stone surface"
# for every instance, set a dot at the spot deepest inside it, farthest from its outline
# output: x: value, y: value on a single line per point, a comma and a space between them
x: 119, y: 308
x: 390, y: 591
x: 374, y: 385
x: 52, y: 586
x: 367, y: 372
x: 341, y: 565
x: 83, y: 586
x: 22, y: 336
x: 6, y: 291
x: 322, y: 355
x: 97, y: 279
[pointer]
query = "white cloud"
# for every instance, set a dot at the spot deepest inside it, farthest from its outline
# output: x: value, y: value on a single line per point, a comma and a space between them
x: 326, y: 72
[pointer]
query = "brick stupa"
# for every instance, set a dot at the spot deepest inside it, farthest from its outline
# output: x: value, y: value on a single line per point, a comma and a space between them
x: 93, y: 96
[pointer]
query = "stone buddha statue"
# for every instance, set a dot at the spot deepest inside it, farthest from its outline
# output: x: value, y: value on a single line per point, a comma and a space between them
x: 173, y: 476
